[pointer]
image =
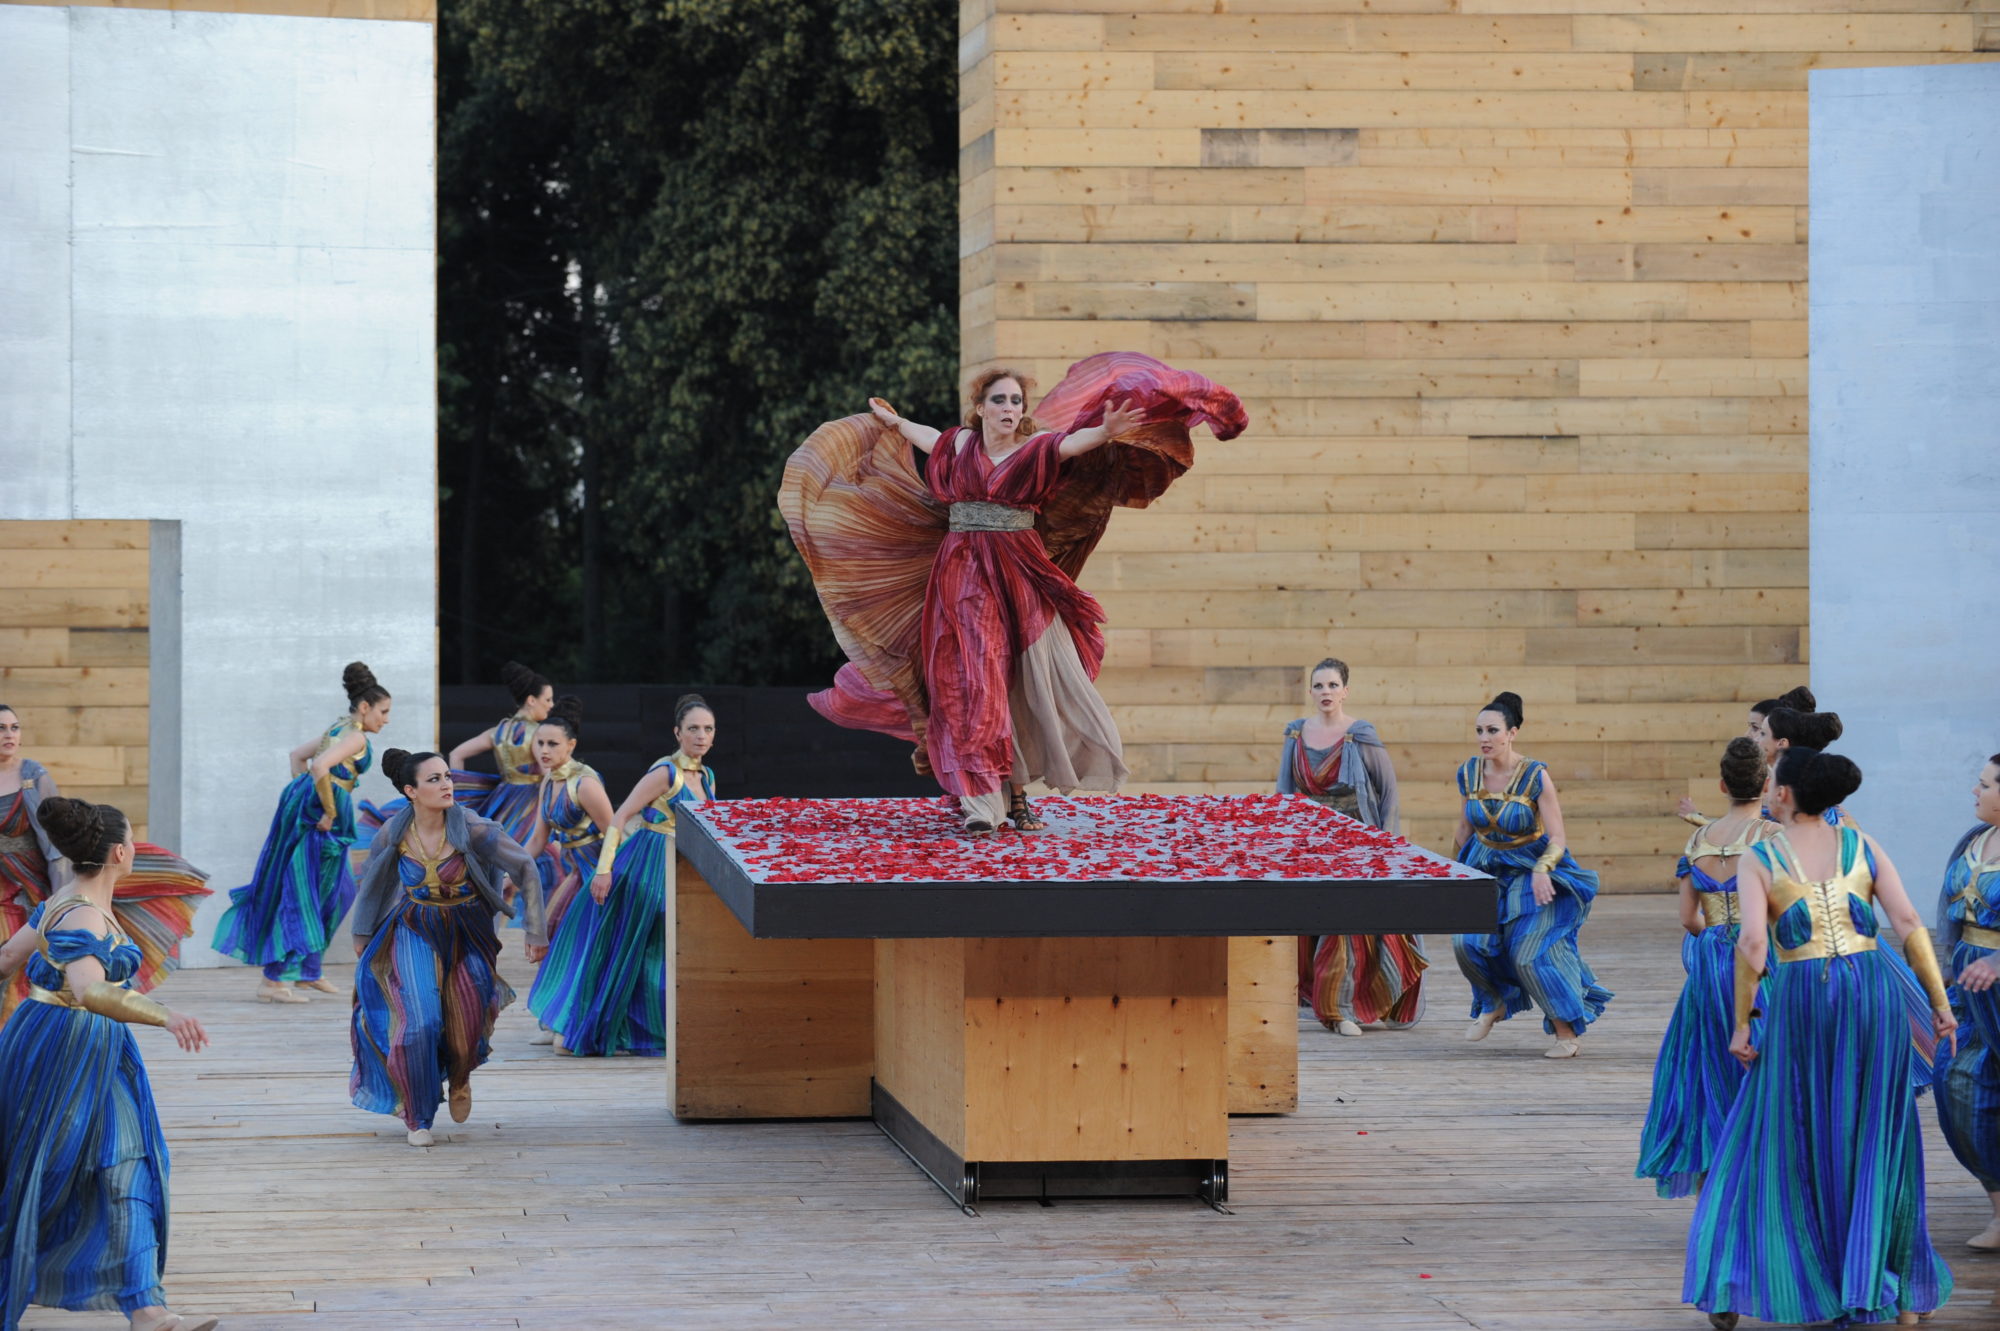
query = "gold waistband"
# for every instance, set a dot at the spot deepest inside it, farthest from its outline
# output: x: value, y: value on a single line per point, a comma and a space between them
x: 62, y: 999
x: 1509, y: 843
x: 567, y: 839
x: 460, y: 899
x: 979, y: 515
x: 1845, y: 943
x: 1978, y: 937
x: 1719, y: 908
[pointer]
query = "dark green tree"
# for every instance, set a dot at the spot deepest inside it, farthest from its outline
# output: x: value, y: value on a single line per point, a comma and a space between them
x: 676, y: 236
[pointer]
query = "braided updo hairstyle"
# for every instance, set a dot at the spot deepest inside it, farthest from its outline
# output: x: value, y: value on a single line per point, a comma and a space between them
x: 1509, y: 706
x: 362, y: 687
x: 400, y: 766
x: 567, y: 712
x: 1743, y: 769
x: 85, y: 833
x: 522, y: 683
x: 1818, y: 781
x: 1804, y: 730
x: 1799, y: 699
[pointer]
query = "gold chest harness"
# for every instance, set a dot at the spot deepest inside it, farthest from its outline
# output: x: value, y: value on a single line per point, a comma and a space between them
x: 1722, y: 907
x: 1833, y: 931
x: 1972, y: 897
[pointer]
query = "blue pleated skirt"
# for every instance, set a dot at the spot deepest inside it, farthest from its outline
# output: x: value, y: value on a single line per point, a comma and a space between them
x: 603, y: 985
x: 1813, y: 1210
x: 83, y: 1166
x: 1968, y: 1087
x: 303, y: 886
x: 1695, y: 1079
x: 1533, y: 959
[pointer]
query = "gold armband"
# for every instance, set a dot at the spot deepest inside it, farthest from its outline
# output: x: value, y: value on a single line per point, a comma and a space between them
x: 323, y: 786
x: 1550, y: 858
x: 121, y: 1004
x: 1917, y: 950
x: 608, y: 857
x: 1747, y: 981
x: 1698, y: 819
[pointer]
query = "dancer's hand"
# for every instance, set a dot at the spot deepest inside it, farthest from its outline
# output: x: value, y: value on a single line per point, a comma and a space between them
x: 1685, y: 807
x: 1545, y: 891
x: 1946, y: 1026
x: 536, y: 951
x: 1979, y: 976
x: 325, y: 823
x: 884, y: 412
x: 600, y: 888
x: 187, y: 1032
x: 1740, y: 1047
x: 1119, y: 420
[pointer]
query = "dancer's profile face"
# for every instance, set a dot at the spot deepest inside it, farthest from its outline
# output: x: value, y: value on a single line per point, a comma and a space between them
x: 696, y: 732
x: 553, y: 746
x: 536, y: 706
x: 1329, y: 690
x: 1985, y: 795
x: 1760, y: 731
x: 374, y: 716
x: 10, y: 734
x: 1002, y: 406
x: 1493, y: 735
x: 430, y: 785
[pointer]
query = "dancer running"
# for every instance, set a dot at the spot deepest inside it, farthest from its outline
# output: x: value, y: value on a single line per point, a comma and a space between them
x: 510, y: 799
x: 155, y: 900
x: 427, y: 988
x: 1813, y: 1210
x: 1695, y: 1079
x: 570, y: 815
x: 603, y: 988
x: 1512, y: 828
x: 1351, y: 980
x: 281, y: 920
x: 1968, y: 1087
x: 83, y: 1163
x: 953, y: 592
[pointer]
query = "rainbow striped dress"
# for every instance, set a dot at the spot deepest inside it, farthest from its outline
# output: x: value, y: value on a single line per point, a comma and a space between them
x: 1813, y: 1210
x: 83, y: 1164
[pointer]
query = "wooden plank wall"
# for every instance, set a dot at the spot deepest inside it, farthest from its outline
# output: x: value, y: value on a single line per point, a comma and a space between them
x: 1515, y: 291
x: 74, y: 601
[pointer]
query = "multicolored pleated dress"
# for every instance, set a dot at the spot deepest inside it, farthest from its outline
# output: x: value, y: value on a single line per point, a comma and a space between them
x: 603, y: 987
x: 1370, y: 979
x: 83, y: 1164
x: 1968, y: 1087
x: 569, y: 860
x: 281, y: 920
x: 154, y: 904
x: 1531, y: 956
x: 1695, y: 1078
x: 1813, y: 1210
x: 427, y: 988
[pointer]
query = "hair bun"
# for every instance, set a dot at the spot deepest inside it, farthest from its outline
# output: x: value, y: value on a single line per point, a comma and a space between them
x: 1508, y: 704
x: 522, y: 683
x: 68, y: 820
x: 1742, y: 768
x: 396, y: 766
x: 1799, y: 699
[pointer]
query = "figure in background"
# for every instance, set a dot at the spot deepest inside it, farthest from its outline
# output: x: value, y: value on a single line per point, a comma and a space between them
x: 281, y: 920
x: 603, y: 988
x: 951, y: 587
x: 83, y: 1163
x: 1968, y: 1086
x: 1758, y: 729
x: 570, y: 817
x: 1512, y: 828
x: 1351, y: 980
x: 1695, y: 1078
x: 1790, y: 728
x: 508, y: 797
x: 427, y: 988
x: 154, y: 901
x: 1813, y: 1210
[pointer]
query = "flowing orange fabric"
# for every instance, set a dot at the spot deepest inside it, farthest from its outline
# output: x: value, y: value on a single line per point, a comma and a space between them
x: 931, y: 620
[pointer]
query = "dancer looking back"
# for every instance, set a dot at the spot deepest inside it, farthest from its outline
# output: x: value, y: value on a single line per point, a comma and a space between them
x: 1968, y: 1087
x: 508, y: 799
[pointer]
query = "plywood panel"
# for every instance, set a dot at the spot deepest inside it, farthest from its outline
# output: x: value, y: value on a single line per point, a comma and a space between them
x: 1263, y: 1026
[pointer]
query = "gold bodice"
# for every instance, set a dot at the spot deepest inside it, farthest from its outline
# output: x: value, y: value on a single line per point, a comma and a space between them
x: 1825, y: 902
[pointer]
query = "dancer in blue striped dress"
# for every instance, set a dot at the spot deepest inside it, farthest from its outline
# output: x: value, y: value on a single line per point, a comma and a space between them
x: 1813, y: 1210
x: 1695, y: 1080
x: 1512, y: 828
x: 83, y: 1164
x: 1968, y: 1087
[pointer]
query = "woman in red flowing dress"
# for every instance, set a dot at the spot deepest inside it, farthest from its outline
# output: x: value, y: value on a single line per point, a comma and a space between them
x: 953, y: 593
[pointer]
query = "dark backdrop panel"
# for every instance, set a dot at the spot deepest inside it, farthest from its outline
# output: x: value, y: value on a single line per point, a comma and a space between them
x: 767, y: 741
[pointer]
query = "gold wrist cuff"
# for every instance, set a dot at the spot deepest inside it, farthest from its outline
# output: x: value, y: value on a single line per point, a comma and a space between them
x: 607, y: 858
x: 1917, y: 950
x: 1550, y: 858
x: 323, y: 786
x: 121, y: 1004
x: 1747, y: 981
x: 1697, y: 819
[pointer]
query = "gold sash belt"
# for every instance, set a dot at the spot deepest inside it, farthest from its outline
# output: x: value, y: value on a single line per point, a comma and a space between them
x: 1979, y: 937
x: 62, y: 999
x: 1719, y: 908
x: 978, y: 515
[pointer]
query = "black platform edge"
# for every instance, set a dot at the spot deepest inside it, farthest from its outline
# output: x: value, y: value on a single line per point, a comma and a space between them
x: 1089, y: 908
x: 1042, y: 1180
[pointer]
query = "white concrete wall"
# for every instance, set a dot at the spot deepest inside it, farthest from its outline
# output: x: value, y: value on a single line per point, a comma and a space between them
x: 216, y: 308
x: 1905, y: 307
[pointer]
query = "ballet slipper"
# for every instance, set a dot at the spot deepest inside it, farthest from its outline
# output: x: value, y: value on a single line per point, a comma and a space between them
x: 1482, y: 1025
x: 273, y: 992
x: 1987, y: 1239
x: 543, y: 1036
x: 1343, y: 1027
x: 1563, y: 1049
x: 323, y: 986
x: 421, y: 1137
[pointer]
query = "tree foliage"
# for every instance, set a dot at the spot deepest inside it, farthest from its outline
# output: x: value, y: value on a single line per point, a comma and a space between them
x: 676, y: 236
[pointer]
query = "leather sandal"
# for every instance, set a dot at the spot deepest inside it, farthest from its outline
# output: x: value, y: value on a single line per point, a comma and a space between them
x: 461, y: 1102
x: 1722, y: 1321
x: 1022, y: 814
x: 272, y: 992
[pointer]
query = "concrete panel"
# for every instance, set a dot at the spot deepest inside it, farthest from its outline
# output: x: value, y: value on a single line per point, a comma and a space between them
x: 34, y: 262
x: 1905, y: 320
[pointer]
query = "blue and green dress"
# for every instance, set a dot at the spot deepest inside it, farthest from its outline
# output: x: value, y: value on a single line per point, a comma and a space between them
x: 1813, y: 1210
x: 281, y: 920
x: 1531, y: 956
x: 603, y: 986
x: 569, y: 858
x: 83, y: 1164
x: 1968, y: 1087
x: 1696, y: 1078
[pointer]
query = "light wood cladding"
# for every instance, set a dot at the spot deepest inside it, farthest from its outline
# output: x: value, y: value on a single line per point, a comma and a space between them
x: 763, y: 1027
x: 1263, y: 1025
x: 74, y: 600
x: 1515, y: 293
x: 415, y: 11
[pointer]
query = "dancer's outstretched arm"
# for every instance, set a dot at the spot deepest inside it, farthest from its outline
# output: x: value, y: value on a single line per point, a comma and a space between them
x: 1117, y: 421
x: 922, y: 437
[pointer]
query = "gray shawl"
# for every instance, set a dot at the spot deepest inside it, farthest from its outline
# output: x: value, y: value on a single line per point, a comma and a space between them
x: 36, y: 786
x: 1364, y: 764
x: 490, y: 857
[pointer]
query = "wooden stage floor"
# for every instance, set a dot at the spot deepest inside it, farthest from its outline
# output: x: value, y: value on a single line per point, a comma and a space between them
x: 1427, y: 1185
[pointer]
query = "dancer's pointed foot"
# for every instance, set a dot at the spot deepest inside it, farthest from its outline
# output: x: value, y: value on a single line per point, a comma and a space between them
x: 323, y: 986
x: 543, y: 1036
x: 1482, y: 1025
x: 1563, y: 1049
x: 1987, y: 1239
x: 421, y: 1137
x: 461, y: 1102
x: 1343, y: 1027
x: 271, y: 991
x: 159, y: 1319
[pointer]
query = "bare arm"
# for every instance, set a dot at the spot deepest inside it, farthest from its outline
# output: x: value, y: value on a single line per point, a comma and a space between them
x: 301, y: 755
x: 1117, y: 421
x: 590, y: 794
x: 480, y: 743
x: 347, y: 746
x: 15, y: 951
x: 921, y: 437
x: 1753, y: 898
x: 538, y: 835
x: 1550, y: 808
x: 1889, y: 890
x: 651, y: 786
x: 1692, y: 919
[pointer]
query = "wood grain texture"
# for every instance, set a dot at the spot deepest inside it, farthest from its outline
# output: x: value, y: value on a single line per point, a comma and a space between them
x: 1263, y: 1026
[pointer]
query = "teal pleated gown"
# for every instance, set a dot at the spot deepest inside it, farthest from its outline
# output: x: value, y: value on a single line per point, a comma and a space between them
x: 1968, y: 1087
x: 83, y: 1164
x: 1813, y: 1210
